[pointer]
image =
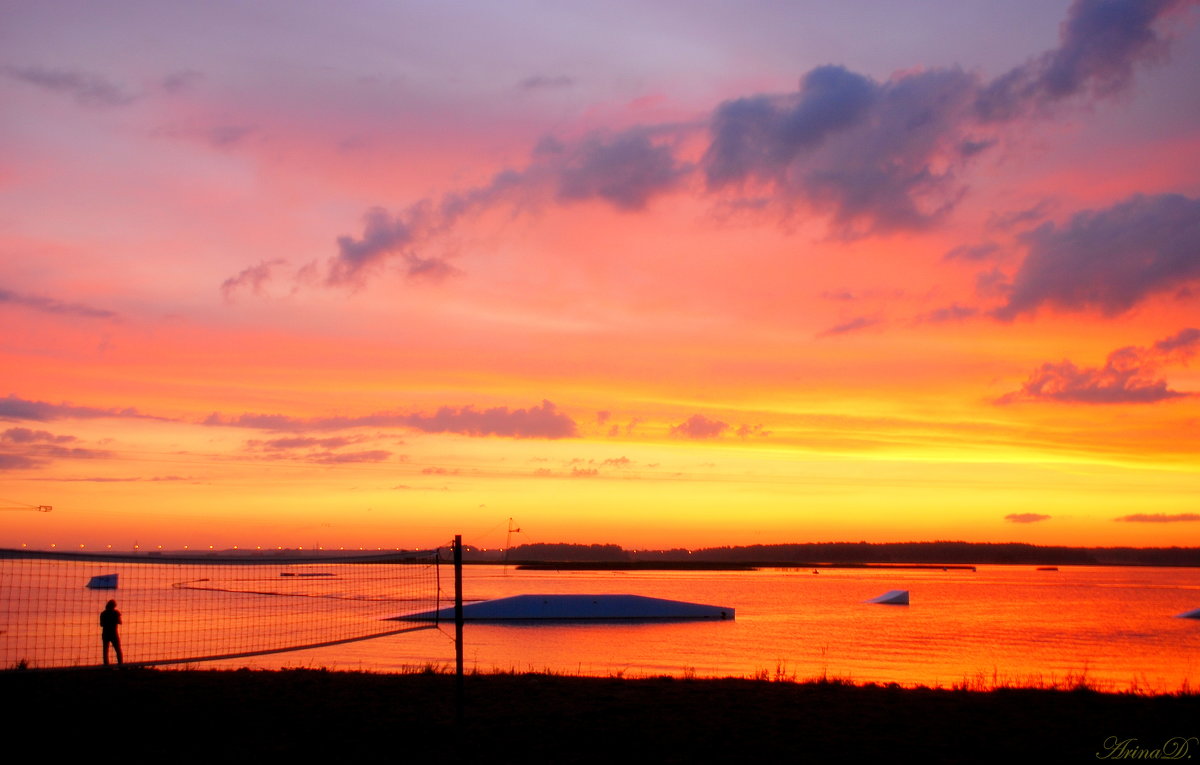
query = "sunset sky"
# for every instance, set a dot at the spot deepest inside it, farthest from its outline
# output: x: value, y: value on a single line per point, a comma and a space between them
x: 674, y: 273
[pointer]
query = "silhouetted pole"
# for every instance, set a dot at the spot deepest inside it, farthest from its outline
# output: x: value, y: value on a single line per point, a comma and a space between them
x: 458, y: 628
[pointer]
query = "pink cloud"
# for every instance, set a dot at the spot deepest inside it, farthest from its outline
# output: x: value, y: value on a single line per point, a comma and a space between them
x: 1127, y: 376
x: 698, y: 426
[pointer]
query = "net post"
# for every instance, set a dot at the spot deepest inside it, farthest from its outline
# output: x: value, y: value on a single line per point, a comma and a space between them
x: 458, y: 629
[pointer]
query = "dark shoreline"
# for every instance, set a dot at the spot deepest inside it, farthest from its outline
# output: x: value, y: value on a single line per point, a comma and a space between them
x: 716, y: 566
x: 243, y: 715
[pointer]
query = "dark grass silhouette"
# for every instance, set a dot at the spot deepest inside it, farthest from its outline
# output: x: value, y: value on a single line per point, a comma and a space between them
x: 242, y: 715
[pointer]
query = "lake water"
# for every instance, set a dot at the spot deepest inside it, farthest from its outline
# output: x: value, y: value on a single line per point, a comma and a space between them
x: 1112, y: 627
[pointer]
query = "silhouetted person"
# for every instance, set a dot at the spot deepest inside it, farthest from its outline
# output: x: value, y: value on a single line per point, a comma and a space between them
x: 110, y: 617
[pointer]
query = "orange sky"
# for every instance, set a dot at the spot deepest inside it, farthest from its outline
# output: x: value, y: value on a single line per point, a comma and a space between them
x: 656, y: 279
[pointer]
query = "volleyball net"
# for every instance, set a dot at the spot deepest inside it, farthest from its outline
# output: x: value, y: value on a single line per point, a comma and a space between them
x: 183, y: 609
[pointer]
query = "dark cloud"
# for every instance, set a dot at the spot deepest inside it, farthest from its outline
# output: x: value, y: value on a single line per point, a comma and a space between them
x: 19, y: 462
x: 1108, y: 385
x: 1159, y: 518
x: 542, y: 82
x: 39, y: 450
x: 1026, y: 517
x: 382, y: 235
x: 253, y: 278
x: 1182, y: 345
x: 1109, y: 259
x: 542, y: 421
x: 1127, y: 377
x: 38, y: 447
x: 884, y: 156
x: 876, y: 156
x: 72, y: 453
x: 1099, y: 44
x: 853, y: 325
x: 14, y: 408
x: 760, y: 136
x: 975, y: 252
x: 1019, y: 218
x: 87, y: 89
x: 49, y: 305
x: 385, y: 235
x: 617, y: 462
x: 699, y: 426
x: 27, y: 436
x: 626, y: 170
x: 280, y: 422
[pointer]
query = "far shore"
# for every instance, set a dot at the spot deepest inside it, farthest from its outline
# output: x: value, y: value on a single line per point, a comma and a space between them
x: 245, y: 715
x: 717, y: 566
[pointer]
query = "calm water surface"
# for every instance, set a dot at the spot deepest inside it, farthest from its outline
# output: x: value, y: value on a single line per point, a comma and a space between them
x: 1114, y: 627
x: 1111, y: 627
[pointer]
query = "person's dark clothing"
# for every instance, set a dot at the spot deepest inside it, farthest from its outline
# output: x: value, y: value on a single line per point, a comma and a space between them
x: 109, y: 619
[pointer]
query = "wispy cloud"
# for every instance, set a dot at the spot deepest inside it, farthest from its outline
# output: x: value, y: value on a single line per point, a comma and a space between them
x: 253, y: 278
x: 86, y: 88
x: 52, y: 306
x: 853, y: 325
x: 543, y: 82
x: 27, y: 436
x: 29, y: 448
x: 1159, y: 518
x: 541, y: 421
x: 14, y: 408
x: 347, y: 458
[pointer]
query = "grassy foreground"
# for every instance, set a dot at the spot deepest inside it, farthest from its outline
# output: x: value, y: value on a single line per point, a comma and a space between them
x: 244, y: 715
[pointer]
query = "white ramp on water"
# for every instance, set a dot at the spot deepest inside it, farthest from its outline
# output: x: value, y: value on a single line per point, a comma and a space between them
x: 1193, y: 614
x: 594, y: 607
x: 892, y: 598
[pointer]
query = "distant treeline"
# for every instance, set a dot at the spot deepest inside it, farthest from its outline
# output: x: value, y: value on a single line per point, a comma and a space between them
x: 865, y: 552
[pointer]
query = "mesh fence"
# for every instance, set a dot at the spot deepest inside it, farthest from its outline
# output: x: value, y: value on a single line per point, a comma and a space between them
x: 189, y: 609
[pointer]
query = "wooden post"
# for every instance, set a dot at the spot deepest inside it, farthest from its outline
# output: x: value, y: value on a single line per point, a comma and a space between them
x: 458, y: 629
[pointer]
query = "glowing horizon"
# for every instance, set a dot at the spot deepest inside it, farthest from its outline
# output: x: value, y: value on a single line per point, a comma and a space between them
x: 650, y: 275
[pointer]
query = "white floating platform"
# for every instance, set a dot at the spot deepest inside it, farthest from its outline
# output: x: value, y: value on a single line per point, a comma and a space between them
x: 577, y: 607
x: 892, y: 598
x: 1193, y: 614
